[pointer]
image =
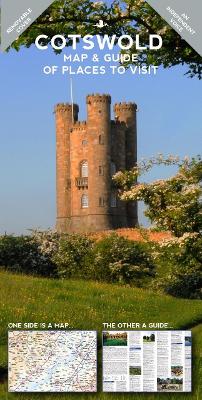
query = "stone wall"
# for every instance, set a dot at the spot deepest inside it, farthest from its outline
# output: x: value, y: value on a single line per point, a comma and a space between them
x: 106, y: 146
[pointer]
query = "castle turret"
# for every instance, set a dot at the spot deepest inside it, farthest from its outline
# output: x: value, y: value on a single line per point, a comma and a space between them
x: 126, y: 113
x: 99, y: 158
x: 65, y: 116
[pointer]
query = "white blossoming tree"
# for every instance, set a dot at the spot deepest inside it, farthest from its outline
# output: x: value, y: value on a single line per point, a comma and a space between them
x: 173, y: 204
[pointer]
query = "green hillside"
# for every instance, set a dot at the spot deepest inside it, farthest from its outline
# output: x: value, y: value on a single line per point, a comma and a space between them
x: 86, y: 305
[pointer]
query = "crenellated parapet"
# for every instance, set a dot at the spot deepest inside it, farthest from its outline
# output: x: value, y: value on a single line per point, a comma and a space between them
x: 66, y: 107
x: 124, y: 106
x: 79, y: 126
x: 98, y: 98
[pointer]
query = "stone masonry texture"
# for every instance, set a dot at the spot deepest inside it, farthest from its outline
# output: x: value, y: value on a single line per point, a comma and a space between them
x: 88, y: 153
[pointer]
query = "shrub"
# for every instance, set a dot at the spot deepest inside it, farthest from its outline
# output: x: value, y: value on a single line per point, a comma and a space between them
x: 184, y: 254
x: 73, y: 256
x: 118, y: 259
x: 187, y: 286
x: 31, y: 255
x: 112, y: 259
x: 14, y: 251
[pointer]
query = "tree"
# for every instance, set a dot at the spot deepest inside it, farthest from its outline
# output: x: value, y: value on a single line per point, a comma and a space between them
x: 152, y: 337
x: 173, y: 204
x: 129, y: 17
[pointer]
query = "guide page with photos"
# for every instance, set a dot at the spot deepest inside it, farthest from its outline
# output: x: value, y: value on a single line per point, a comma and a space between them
x: 146, y: 361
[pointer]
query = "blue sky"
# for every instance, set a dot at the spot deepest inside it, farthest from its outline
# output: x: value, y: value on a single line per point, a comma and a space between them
x: 169, y: 122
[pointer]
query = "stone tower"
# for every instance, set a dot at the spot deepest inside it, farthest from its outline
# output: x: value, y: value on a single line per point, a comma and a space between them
x: 88, y: 153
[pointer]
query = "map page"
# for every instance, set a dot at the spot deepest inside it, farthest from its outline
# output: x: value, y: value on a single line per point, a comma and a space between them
x: 52, y: 361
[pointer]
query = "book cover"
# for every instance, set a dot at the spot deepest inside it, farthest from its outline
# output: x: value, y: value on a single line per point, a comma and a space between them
x: 100, y: 228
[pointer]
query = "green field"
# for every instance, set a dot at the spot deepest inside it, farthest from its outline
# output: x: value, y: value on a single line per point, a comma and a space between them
x: 115, y: 342
x: 86, y: 305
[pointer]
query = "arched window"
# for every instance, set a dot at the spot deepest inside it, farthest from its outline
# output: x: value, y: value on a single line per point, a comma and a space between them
x: 84, y: 169
x: 101, y: 202
x: 113, y: 168
x: 101, y: 170
x: 113, y: 200
x: 101, y: 139
x: 84, y: 201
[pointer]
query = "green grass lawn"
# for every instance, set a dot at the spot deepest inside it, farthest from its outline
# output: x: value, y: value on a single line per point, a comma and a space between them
x: 86, y: 305
x: 115, y: 342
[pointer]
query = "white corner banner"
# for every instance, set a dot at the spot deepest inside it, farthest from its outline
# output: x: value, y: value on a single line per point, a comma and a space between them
x: 17, y: 16
x: 184, y: 16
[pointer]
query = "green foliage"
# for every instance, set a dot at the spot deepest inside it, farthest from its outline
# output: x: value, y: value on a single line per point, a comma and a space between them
x: 113, y: 259
x: 27, y: 254
x: 71, y: 257
x: 128, y: 17
x: 173, y: 204
x: 184, y: 254
x: 118, y: 259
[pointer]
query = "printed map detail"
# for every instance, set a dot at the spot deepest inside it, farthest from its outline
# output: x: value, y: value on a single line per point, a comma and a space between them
x: 52, y: 361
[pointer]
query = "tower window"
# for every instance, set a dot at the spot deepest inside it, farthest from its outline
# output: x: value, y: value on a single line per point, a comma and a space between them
x: 113, y: 168
x: 101, y: 139
x: 84, y: 169
x: 101, y: 201
x: 84, y: 142
x: 84, y: 201
x: 113, y: 199
x: 101, y: 170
